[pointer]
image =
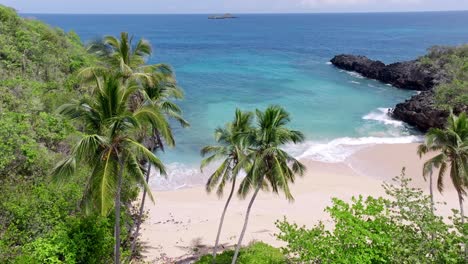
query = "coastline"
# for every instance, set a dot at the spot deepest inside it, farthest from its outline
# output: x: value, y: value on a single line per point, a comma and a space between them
x: 183, y: 223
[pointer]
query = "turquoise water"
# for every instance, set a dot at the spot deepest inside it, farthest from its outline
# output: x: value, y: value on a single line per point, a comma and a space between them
x: 258, y: 60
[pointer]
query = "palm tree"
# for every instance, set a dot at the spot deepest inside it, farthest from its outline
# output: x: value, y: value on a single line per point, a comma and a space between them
x: 271, y: 166
x: 452, y: 145
x: 157, y: 88
x: 159, y: 95
x: 124, y: 59
x: 231, y: 150
x: 109, y: 147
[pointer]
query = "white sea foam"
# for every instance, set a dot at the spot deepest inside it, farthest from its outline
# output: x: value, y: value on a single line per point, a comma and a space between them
x: 355, y: 82
x: 182, y: 176
x: 338, y: 150
x: 381, y: 115
x: 355, y: 74
x: 328, y: 63
x: 178, y: 176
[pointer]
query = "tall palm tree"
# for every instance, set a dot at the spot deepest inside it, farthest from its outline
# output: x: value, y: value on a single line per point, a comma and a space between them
x: 230, y: 149
x: 157, y: 88
x: 109, y: 147
x: 272, y: 167
x: 161, y: 94
x: 451, y: 144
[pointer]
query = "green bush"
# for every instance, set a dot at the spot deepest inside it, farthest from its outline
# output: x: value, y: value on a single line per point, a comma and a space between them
x: 77, y: 240
x: 450, y: 65
x: 258, y: 253
x: 402, y: 229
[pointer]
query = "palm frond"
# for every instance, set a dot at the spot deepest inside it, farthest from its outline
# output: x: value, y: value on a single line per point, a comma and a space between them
x: 148, y: 155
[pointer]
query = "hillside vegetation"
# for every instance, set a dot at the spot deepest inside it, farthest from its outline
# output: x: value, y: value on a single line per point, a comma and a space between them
x: 38, y: 218
x: 451, y: 67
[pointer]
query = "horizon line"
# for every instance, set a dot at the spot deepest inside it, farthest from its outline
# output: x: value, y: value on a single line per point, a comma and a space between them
x: 247, y: 13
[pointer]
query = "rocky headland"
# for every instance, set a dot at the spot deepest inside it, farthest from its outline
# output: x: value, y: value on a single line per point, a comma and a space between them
x: 420, y: 110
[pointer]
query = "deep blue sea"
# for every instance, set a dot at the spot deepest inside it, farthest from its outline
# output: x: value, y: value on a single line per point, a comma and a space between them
x: 257, y: 60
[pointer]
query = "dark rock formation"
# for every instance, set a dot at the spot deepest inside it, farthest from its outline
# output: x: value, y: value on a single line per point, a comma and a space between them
x: 405, y: 75
x: 420, y: 111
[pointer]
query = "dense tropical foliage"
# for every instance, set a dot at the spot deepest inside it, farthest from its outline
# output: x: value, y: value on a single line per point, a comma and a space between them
x: 121, y: 105
x: 39, y: 219
x: 450, y: 64
x: 400, y: 229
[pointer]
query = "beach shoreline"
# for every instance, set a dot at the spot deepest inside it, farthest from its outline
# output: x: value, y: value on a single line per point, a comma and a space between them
x: 183, y: 223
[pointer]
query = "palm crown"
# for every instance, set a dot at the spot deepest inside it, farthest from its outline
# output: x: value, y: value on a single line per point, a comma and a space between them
x: 109, y: 142
x: 271, y: 165
x: 452, y: 143
x: 230, y: 148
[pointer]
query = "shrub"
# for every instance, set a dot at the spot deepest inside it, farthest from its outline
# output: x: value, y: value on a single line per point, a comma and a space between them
x: 259, y: 253
x: 77, y: 240
x: 401, y: 229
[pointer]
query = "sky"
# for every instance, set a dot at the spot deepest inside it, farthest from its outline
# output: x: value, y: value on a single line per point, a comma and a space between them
x: 231, y: 6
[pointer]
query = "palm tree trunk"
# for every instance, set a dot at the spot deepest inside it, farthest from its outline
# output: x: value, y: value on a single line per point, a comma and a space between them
x: 236, y: 253
x: 222, y: 219
x: 140, y: 214
x: 431, y: 192
x: 117, y: 213
x: 142, y: 206
x: 462, y: 214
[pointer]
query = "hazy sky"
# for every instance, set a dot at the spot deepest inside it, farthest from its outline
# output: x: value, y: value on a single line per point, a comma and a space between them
x: 233, y: 6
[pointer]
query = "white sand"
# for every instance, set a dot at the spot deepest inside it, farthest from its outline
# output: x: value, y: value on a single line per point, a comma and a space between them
x: 183, y: 220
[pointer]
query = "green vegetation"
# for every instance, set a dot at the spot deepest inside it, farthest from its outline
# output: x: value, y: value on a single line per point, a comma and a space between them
x: 155, y: 92
x: 121, y: 112
x: 39, y: 222
x: 258, y: 252
x: 401, y: 229
x: 450, y: 64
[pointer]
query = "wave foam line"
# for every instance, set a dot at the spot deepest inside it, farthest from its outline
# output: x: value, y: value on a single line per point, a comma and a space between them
x: 381, y: 115
x: 181, y: 176
x: 340, y: 149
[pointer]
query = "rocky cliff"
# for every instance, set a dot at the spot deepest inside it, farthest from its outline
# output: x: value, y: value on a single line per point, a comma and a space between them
x: 419, y: 110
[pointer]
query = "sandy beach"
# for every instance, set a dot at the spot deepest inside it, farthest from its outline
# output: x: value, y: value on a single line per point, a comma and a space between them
x: 184, y: 222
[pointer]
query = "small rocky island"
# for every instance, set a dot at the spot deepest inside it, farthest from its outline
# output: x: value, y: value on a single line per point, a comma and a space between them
x: 225, y: 16
x: 420, y: 110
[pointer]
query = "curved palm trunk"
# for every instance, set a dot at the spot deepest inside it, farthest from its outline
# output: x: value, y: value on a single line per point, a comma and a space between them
x: 142, y: 206
x: 140, y: 214
x: 117, y: 213
x: 222, y: 219
x: 236, y: 253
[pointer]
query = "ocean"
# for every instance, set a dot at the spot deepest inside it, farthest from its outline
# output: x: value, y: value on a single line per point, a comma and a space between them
x: 262, y: 59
